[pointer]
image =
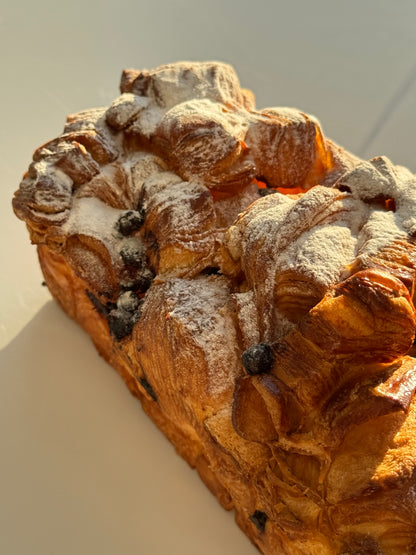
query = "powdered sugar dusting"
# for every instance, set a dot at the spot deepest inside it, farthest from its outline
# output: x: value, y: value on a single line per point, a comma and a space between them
x: 167, y: 193
x: 206, y: 111
x: 302, y: 247
x: 148, y: 120
x: 311, y: 240
x: 87, y: 261
x: 91, y: 216
x: 142, y: 166
x: 172, y: 84
x: 54, y: 188
x: 178, y: 212
x: 380, y: 179
x: 380, y: 230
x: 201, y: 307
x: 203, y: 133
x: 124, y: 109
x: 261, y: 218
x: 247, y: 317
x: 320, y: 253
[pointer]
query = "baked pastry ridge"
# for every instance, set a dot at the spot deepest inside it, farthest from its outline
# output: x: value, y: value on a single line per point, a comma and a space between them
x: 253, y: 283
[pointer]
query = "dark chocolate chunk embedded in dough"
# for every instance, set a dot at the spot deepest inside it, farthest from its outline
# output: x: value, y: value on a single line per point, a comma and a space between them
x: 258, y: 359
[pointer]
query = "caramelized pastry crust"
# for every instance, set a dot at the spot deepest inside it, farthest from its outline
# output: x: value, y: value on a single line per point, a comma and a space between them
x: 253, y: 283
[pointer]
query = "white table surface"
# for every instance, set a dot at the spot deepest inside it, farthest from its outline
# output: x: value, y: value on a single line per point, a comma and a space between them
x: 82, y: 470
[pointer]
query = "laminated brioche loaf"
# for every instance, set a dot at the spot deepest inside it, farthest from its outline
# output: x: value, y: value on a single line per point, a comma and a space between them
x: 253, y: 283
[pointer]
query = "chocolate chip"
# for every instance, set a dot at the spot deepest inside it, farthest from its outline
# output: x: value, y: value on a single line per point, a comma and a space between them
x: 130, y: 221
x: 122, y: 319
x: 258, y: 359
x: 133, y: 254
x: 128, y: 301
x: 142, y: 280
x: 120, y: 323
x: 148, y: 388
x: 259, y: 518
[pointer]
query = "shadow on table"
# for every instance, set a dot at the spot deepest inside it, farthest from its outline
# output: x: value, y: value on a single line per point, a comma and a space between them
x: 82, y: 469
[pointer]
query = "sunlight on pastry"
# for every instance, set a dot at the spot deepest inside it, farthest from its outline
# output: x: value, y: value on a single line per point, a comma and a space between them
x: 253, y: 283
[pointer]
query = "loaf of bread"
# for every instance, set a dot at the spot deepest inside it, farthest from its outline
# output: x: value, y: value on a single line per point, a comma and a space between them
x: 253, y: 284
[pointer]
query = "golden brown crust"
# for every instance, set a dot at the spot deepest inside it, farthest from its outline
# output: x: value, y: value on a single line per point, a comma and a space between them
x: 269, y: 336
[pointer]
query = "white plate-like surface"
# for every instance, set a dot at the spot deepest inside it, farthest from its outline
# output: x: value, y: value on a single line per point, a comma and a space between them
x: 82, y: 470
